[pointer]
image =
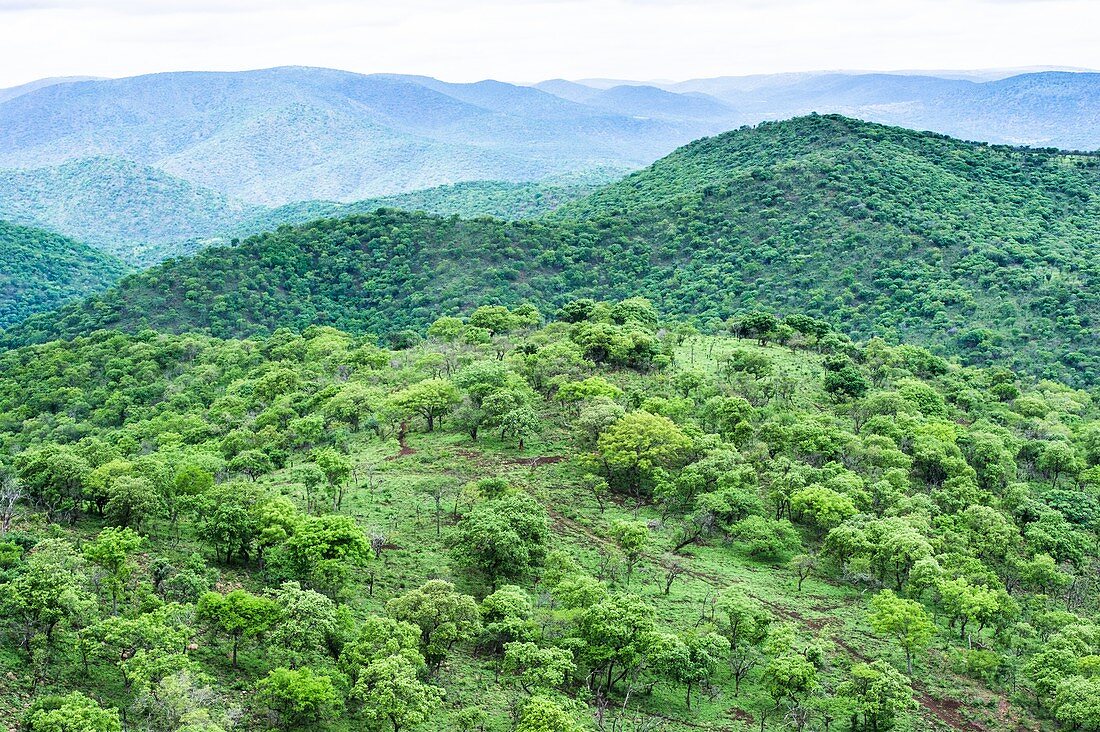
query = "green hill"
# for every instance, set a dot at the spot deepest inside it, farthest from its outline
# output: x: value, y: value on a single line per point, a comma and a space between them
x: 137, y: 213
x: 990, y: 253
x: 40, y: 271
x: 499, y: 199
x: 604, y: 520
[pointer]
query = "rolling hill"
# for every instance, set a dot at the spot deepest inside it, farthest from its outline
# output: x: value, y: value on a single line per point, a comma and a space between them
x: 991, y: 253
x: 40, y: 270
x: 132, y: 211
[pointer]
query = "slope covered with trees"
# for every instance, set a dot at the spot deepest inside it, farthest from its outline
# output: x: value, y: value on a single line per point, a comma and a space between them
x: 40, y: 271
x: 135, y: 212
x: 985, y: 252
x: 606, y: 522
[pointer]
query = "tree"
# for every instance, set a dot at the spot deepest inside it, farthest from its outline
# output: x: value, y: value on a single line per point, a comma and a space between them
x: 803, y: 565
x: 760, y: 325
x: 521, y: 423
x: 322, y: 547
x: 49, y: 587
x: 10, y: 495
x: 905, y: 620
x: 878, y: 693
x: 53, y: 477
x: 506, y: 617
x: 504, y: 537
x: 616, y: 632
x: 132, y: 500
x: 544, y: 714
x: 336, y: 470
x: 431, y: 399
x: 443, y: 616
x: 493, y: 318
x: 389, y: 690
x: 237, y: 615
x: 637, y: 444
x: 227, y: 521
x: 691, y: 659
x: 252, y: 463
x: 535, y: 668
x: 298, y: 698
x: 307, y: 625
x: 1077, y: 703
x: 765, y: 538
x: 72, y: 713
x: 789, y: 677
x: 631, y: 536
x: 111, y: 551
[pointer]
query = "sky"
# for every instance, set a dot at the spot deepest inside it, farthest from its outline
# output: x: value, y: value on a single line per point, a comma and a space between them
x: 530, y: 40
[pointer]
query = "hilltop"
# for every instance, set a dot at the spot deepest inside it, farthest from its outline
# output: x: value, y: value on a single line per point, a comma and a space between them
x: 986, y: 252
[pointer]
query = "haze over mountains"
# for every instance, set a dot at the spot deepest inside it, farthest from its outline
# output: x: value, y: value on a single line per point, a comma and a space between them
x: 154, y: 166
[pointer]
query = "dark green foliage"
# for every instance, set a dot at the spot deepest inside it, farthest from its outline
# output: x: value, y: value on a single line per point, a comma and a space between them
x: 985, y: 252
x: 40, y: 271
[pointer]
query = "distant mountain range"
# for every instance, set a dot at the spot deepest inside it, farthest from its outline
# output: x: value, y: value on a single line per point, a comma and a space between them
x: 153, y: 166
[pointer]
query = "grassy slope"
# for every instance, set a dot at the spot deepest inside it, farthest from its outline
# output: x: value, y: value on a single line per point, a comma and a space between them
x: 390, y: 495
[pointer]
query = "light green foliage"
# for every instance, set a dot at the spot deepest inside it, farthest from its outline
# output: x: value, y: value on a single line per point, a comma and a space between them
x: 238, y: 615
x: 878, y: 693
x: 72, y: 713
x: 503, y: 537
x: 444, y: 616
x: 298, y: 698
x: 390, y: 691
x: 904, y: 620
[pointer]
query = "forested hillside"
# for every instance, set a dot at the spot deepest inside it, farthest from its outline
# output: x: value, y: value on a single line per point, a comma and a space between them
x: 132, y: 211
x: 40, y: 271
x: 986, y: 252
x: 499, y: 199
x: 605, y: 522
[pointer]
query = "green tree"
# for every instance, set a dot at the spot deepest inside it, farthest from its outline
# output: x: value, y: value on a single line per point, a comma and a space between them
x: 504, y: 537
x: 389, y: 690
x: 72, y: 713
x: 616, y: 632
x: 112, y: 551
x: 879, y: 693
x: 432, y: 399
x: 904, y: 620
x: 537, y: 668
x: 444, y: 617
x: 631, y: 537
x: 640, y: 442
x: 298, y: 698
x: 545, y: 714
x: 238, y: 615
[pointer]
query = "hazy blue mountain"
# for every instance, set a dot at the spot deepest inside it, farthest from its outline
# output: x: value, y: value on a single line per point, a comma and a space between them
x: 571, y: 90
x: 15, y: 91
x: 1045, y: 109
x: 649, y: 101
x: 288, y: 134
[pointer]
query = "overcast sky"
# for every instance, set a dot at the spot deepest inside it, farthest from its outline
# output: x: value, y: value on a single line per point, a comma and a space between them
x: 528, y: 40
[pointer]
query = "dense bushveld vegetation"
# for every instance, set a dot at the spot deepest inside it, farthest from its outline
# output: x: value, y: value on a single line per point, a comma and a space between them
x: 40, y: 270
x: 988, y: 253
x: 602, y: 522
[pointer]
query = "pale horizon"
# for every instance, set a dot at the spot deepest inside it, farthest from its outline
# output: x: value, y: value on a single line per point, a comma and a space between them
x: 524, y: 41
